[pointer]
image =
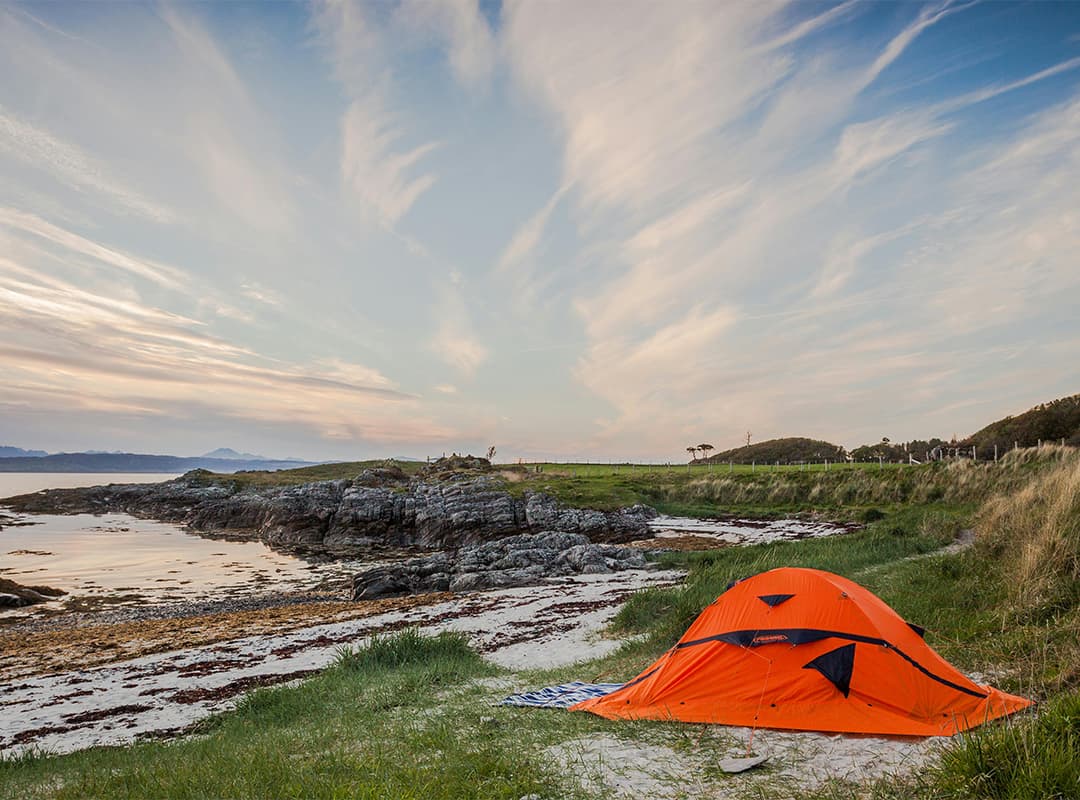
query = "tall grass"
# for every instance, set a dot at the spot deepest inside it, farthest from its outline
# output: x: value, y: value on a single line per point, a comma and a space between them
x: 956, y: 482
x: 1031, y: 757
x: 1035, y: 531
x: 448, y: 651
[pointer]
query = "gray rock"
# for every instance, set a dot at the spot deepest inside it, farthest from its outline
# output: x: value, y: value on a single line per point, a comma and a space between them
x: 348, y: 517
x: 520, y: 560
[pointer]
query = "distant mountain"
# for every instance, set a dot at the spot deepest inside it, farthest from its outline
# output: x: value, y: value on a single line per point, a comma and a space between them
x: 786, y: 451
x: 232, y: 455
x: 138, y: 462
x: 1049, y: 422
x: 18, y: 452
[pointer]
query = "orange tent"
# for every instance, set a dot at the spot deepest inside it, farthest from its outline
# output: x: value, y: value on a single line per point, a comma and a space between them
x: 803, y: 649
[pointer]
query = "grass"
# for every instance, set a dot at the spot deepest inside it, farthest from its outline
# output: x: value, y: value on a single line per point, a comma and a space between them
x: 320, y: 472
x: 372, y: 726
x: 841, y: 491
x: 1034, y: 757
x: 400, y: 717
x: 661, y: 615
x: 1036, y: 530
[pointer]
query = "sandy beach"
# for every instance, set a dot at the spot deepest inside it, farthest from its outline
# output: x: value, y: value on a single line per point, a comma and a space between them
x: 160, y: 676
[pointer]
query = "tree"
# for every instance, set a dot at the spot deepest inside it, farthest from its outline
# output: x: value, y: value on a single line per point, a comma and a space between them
x: 491, y: 453
x: 692, y: 451
x: 705, y: 448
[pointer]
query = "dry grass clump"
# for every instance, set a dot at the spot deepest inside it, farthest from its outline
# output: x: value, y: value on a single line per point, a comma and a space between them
x: 1035, y: 532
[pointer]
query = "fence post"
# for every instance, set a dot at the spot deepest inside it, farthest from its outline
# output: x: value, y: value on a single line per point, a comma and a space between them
x: 995, y: 453
x: 753, y: 466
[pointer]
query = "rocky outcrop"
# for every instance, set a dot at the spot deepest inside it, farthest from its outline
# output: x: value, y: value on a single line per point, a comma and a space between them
x: 347, y: 517
x: 512, y: 561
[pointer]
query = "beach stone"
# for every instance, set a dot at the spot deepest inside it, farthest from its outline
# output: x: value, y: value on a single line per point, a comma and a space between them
x: 521, y: 560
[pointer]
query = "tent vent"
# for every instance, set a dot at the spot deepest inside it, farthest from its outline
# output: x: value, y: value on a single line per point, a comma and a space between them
x: 773, y: 600
x: 836, y: 665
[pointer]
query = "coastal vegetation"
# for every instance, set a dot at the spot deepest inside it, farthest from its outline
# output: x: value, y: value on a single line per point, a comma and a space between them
x: 409, y: 716
x: 844, y: 490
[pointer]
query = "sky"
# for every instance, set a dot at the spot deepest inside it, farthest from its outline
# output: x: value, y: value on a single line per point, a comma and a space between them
x: 572, y: 230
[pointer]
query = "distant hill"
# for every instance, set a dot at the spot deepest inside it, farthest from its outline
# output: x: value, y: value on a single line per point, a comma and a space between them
x: 1048, y: 422
x: 232, y: 455
x: 786, y: 451
x: 18, y: 452
x: 138, y: 462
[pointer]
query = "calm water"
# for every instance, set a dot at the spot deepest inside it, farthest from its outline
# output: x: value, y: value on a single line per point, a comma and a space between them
x: 122, y: 560
x: 13, y: 483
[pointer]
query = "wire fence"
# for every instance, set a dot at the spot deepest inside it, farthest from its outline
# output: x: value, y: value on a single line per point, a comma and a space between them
x: 590, y: 467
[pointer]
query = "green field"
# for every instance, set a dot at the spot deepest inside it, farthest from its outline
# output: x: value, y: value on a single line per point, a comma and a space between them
x: 841, y: 490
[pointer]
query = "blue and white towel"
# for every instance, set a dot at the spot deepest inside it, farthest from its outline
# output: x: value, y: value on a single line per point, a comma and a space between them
x: 562, y: 696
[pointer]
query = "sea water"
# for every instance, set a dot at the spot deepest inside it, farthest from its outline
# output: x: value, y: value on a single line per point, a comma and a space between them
x: 114, y: 560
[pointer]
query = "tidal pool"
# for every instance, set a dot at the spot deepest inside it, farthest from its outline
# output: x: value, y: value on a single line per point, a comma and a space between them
x: 117, y: 559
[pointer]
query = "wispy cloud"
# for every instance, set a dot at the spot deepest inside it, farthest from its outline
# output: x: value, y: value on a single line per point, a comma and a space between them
x: 929, y: 16
x: 379, y: 174
x: 107, y: 351
x: 455, y: 341
x: 222, y: 128
x: 73, y: 166
x: 459, y: 24
x: 161, y: 274
x: 527, y: 237
x: 377, y: 165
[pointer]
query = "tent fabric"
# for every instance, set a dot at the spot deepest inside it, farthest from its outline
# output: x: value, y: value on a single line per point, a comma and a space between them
x: 831, y: 656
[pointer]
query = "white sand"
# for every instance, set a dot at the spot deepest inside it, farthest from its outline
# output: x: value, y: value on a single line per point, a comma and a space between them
x: 533, y: 627
x: 616, y: 768
x: 797, y: 762
x: 742, y: 531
